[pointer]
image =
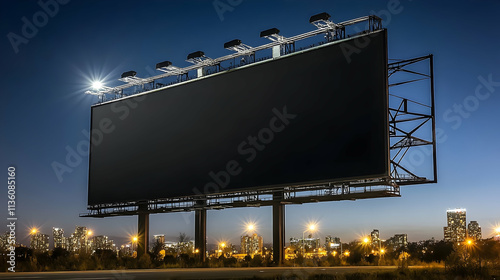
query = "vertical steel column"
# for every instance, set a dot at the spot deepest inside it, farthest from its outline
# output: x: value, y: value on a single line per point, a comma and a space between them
x: 200, y: 232
x: 433, y: 114
x: 143, y: 231
x: 278, y: 228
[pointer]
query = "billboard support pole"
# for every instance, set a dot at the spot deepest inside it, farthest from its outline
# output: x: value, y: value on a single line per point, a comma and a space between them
x: 200, y: 228
x: 142, y: 230
x: 278, y: 228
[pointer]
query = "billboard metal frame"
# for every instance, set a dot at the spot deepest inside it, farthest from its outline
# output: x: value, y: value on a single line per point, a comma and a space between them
x: 406, y: 125
x: 401, y: 142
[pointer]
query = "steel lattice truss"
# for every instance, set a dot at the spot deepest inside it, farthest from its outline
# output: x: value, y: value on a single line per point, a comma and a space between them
x: 411, y: 123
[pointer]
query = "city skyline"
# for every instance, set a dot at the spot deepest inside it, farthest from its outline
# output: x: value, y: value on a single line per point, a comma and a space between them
x: 47, y: 115
x: 251, y: 243
x: 458, y: 233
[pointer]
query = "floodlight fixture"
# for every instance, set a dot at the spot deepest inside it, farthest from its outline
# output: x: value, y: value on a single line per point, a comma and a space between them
x: 128, y: 74
x: 269, y: 32
x: 232, y: 43
x: 167, y: 67
x: 97, y: 85
x: 322, y: 16
x: 98, y: 89
x: 273, y: 35
x: 164, y: 64
x: 199, y: 57
x: 237, y: 46
x: 130, y: 78
x: 197, y: 54
x: 322, y: 20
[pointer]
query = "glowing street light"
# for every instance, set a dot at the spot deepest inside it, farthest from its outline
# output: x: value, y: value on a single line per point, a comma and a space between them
x: 134, y: 241
x: 347, y: 253
x: 311, y: 227
x: 222, y: 245
x: 250, y: 227
x: 366, y: 241
x: 89, y: 233
x: 34, y: 231
x: 468, y: 244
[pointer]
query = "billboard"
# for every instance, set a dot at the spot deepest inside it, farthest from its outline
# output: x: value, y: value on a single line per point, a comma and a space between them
x: 314, y: 116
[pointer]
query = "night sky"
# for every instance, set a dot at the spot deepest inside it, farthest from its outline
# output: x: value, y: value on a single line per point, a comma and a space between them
x: 44, y: 111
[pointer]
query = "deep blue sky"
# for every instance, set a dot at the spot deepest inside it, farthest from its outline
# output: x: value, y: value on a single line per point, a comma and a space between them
x: 44, y: 109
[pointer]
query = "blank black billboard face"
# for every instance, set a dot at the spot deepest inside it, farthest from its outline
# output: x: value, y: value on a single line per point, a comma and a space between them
x: 311, y: 117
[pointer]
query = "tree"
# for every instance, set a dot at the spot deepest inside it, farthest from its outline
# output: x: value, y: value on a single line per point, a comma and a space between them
x: 157, y: 251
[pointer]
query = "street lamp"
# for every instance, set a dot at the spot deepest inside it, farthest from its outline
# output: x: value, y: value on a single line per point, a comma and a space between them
x: 222, y: 245
x: 366, y: 240
x: 250, y: 227
x: 311, y: 228
x: 468, y: 244
x: 134, y: 241
x: 89, y: 233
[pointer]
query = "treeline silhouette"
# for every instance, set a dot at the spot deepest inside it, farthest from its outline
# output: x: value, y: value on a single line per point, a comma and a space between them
x: 481, y: 258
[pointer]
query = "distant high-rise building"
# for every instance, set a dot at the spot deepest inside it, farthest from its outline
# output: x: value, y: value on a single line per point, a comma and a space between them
x: 159, y: 238
x: 59, y: 239
x: 78, y: 240
x: 40, y: 241
x: 4, y: 241
x: 306, y: 244
x: 332, y: 243
x: 398, y: 241
x: 251, y: 244
x: 456, y: 230
x: 375, y: 238
x: 102, y: 242
x: 474, y: 230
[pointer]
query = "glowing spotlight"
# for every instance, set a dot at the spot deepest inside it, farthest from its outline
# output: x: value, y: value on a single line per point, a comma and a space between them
x: 134, y: 239
x: 89, y: 233
x: 97, y: 85
x: 366, y: 240
x: 250, y: 227
x: 34, y: 230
